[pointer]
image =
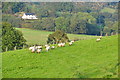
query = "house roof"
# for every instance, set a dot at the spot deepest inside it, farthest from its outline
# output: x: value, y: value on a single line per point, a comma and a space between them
x: 29, y: 13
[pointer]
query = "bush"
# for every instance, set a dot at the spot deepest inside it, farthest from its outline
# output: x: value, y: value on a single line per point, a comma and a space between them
x: 57, y: 37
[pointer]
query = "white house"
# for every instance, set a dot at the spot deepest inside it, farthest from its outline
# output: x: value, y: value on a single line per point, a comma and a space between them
x: 29, y: 16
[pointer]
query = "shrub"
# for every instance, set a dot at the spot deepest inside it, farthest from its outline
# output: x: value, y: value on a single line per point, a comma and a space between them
x: 57, y: 37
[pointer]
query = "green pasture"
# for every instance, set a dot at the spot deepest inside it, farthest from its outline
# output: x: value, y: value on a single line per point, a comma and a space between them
x: 40, y: 37
x: 84, y: 59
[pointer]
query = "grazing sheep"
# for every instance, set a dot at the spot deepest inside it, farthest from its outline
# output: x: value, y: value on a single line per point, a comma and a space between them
x: 59, y: 44
x: 70, y: 43
x: 46, y: 45
x: 47, y: 48
x: 30, y: 48
x: 39, y: 47
x: 100, y: 37
x: 73, y: 41
x: 33, y: 49
x: 97, y: 40
x: 62, y: 44
x: 53, y: 47
x: 39, y: 50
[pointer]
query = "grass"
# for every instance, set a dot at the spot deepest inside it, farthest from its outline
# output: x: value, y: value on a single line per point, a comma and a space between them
x: 40, y: 37
x: 109, y: 10
x: 84, y: 59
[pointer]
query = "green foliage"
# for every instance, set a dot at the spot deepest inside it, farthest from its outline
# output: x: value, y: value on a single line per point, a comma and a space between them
x: 57, y: 36
x: 111, y: 27
x: 15, y: 21
x: 115, y: 27
x: 11, y: 37
x: 77, y: 18
x: 92, y: 29
x: 84, y: 59
x: 61, y: 24
x: 48, y: 24
x: 108, y: 10
x: 79, y: 22
x: 13, y: 7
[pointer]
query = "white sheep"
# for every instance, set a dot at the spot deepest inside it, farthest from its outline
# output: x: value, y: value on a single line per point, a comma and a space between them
x: 53, y: 47
x: 62, y: 44
x: 70, y: 43
x: 46, y: 45
x: 59, y: 44
x: 97, y: 40
x: 39, y: 50
x: 47, y: 48
x: 38, y: 47
x: 33, y: 49
x: 30, y: 48
x: 100, y: 37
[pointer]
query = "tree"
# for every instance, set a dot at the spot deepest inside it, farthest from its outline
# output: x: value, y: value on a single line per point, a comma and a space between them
x: 79, y: 21
x: 57, y: 37
x: 13, y: 7
x: 17, y: 22
x: 114, y: 28
x: 61, y: 23
x: 106, y: 30
x: 11, y: 37
x: 48, y: 24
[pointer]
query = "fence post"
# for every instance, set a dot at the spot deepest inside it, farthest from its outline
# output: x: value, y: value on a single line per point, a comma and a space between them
x: 15, y: 48
x: 111, y: 33
x: 106, y: 34
x: 23, y: 46
x: 6, y: 49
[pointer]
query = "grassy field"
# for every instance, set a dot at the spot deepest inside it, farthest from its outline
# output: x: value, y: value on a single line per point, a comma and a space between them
x: 40, y: 37
x: 84, y: 59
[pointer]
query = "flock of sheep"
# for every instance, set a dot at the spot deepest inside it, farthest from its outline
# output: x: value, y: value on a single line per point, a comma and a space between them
x: 38, y: 49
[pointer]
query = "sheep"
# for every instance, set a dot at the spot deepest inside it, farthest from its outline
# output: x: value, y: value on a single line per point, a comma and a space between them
x: 62, y: 44
x: 33, y: 49
x: 53, y: 47
x: 30, y: 48
x: 100, y: 37
x: 97, y: 40
x: 73, y: 41
x: 39, y: 50
x: 46, y: 45
x: 70, y: 43
x: 59, y: 44
x: 47, y: 48
x: 39, y: 47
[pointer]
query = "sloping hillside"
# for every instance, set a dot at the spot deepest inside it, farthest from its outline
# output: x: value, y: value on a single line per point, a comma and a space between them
x: 84, y: 59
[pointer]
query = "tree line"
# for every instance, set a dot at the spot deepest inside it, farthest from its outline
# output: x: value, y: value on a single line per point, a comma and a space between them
x: 78, y: 18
